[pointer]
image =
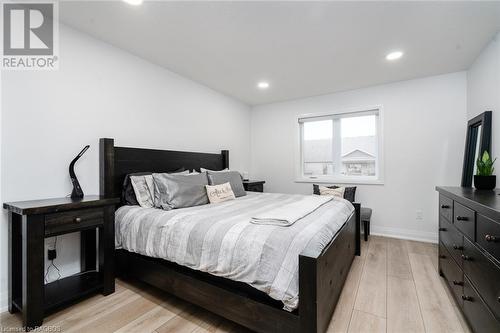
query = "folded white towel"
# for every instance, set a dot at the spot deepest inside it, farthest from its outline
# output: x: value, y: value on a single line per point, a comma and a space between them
x: 288, y: 214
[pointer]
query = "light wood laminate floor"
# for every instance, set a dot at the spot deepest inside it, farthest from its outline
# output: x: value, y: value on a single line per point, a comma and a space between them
x: 393, y: 287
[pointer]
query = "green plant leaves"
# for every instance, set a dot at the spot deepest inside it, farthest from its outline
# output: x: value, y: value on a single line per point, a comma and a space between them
x: 485, y: 165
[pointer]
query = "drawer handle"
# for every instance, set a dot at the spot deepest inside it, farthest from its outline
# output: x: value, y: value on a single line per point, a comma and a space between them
x: 458, y: 283
x: 466, y: 258
x: 467, y: 298
x: 442, y: 256
x: 445, y: 206
x: 442, y: 229
x: 498, y: 299
x: 462, y: 218
x: 456, y: 247
x: 78, y: 219
x: 490, y: 238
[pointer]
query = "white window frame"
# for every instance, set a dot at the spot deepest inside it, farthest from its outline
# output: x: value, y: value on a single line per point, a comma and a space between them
x: 339, y: 179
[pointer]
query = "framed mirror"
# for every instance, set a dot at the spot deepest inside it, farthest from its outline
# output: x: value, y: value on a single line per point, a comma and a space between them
x: 478, y: 140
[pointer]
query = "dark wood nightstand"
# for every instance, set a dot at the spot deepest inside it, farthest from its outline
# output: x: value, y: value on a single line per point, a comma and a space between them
x: 30, y: 222
x: 254, y: 185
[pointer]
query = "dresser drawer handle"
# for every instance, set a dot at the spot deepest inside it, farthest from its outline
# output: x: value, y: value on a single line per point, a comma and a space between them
x: 458, y: 283
x: 466, y: 258
x: 444, y: 206
x: 442, y: 256
x: 467, y: 298
x: 78, y: 220
x: 456, y: 247
x: 498, y: 299
x: 442, y: 229
x: 462, y: 218
x: 490, y: 238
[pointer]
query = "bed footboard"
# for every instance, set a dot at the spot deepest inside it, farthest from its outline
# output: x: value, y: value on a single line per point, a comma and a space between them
x: 321, y: 278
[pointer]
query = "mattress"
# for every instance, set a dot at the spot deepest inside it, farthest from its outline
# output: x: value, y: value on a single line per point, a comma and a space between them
x: 219, y: 239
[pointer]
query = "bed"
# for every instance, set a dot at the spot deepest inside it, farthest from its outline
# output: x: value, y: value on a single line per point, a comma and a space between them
x: 321, y: 267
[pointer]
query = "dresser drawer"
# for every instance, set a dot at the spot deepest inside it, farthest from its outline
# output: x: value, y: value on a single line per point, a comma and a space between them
x: 488, y: 235
x: 464, y: 219
x: 484, y: 274
x: 480, y: 318
x: 451, y: 238
x: 451, y: 272
x: 446, y: 207
x: 76, y: 219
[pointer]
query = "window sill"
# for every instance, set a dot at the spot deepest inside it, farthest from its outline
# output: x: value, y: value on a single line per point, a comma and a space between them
x: 340, y: 181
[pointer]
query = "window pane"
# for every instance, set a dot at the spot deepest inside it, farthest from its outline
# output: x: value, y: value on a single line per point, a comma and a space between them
x: 317, y: 147
x: 359, y: 145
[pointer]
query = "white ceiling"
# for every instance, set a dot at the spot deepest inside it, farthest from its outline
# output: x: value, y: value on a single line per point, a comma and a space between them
x: 302, y: 48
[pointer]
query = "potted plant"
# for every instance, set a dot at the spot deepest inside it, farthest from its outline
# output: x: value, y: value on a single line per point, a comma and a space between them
x: 484, y: 178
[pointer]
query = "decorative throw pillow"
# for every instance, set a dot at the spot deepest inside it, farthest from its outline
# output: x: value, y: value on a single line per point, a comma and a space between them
x: 220, y: 193
x: 349, y: 192
x: 334, y: 192
x: 232, y: 177
x: 143, y: 190
x: 128, y: 193
x: 179, y: 191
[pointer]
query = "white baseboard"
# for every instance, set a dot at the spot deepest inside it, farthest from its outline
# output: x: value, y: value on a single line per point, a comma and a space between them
x: 416, y: 235
x: 3, y: 302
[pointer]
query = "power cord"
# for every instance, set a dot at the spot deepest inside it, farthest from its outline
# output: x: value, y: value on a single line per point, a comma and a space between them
x: 52, y: 264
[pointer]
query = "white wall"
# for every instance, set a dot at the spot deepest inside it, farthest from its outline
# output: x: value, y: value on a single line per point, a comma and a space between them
x: 101, y: 91
x: 424, y: 133
x: 483, y: 89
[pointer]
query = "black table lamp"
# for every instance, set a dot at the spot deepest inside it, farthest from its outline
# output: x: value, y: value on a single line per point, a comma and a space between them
x: 77, y: 192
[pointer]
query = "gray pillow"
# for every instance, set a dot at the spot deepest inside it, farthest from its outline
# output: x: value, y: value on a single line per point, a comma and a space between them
x: 232, y: 177
x: 179, y: 191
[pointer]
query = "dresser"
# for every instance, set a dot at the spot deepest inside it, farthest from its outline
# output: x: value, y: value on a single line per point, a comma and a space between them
x: 469, y: 253
x: 30, y: 222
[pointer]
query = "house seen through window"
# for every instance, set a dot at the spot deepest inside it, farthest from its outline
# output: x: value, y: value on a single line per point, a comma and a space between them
x: 340, y: 145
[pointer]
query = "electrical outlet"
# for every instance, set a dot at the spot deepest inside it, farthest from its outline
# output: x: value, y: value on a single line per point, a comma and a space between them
x: 419, y: 214
x: 51, y: 254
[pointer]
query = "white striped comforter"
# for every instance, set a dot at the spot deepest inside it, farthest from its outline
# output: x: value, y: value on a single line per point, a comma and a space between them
x: 219, y: 239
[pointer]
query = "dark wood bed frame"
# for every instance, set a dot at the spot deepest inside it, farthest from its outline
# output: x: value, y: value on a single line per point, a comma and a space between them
x: 321, y: 277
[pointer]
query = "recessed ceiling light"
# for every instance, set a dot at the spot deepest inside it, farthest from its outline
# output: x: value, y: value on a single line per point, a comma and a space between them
x: 133, y: 2
x: 263, y: 85
x: 394, y: 55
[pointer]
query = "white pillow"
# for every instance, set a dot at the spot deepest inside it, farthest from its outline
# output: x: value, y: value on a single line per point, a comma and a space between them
x: 206, y: 170
x: 144, y: 189
x: 334, y: 192
x: 220, y: 193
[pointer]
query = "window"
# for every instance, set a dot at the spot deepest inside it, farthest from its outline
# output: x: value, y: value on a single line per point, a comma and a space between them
x: 344, y: 147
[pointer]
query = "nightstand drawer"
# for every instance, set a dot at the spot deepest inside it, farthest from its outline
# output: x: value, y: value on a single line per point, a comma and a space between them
x: 255, y: 188
x: 76, y: 219
x: 254, y: 185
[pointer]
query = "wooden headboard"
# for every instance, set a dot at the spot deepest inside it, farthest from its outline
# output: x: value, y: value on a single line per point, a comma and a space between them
x: 116, y: 162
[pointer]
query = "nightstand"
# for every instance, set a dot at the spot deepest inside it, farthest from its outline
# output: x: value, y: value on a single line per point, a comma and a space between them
x: 254, y: 185
x: 30, y: 222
